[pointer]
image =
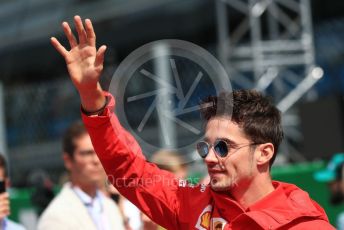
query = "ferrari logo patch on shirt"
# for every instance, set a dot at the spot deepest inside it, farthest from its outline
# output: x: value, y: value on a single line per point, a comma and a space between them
x: 208, y: 222
x: 203, y: 222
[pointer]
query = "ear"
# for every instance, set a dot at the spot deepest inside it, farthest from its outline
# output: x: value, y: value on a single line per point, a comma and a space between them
x: 68, y: 161
x: 265, y: 153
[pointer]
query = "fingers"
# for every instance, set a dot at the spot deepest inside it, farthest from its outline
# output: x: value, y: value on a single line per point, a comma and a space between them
x: 86, y: 35
x: 91, y: 36
x: 58, y: 46
x: 69, y: 34
x: 4, y: 205
x: 80, y: 30
x: 100, y: 56
x: 5, y: 211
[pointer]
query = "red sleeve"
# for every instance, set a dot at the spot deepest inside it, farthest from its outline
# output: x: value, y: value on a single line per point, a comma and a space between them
x: 152, y: 190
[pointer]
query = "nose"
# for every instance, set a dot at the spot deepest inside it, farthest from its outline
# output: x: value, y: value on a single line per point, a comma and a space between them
x: 95, y: 159
x: 211, y: 157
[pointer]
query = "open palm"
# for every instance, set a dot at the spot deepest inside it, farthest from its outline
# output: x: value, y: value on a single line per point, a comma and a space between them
x: 84, y: 61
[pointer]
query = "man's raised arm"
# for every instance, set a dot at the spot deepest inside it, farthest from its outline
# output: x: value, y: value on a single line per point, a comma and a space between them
x: 84, y: 63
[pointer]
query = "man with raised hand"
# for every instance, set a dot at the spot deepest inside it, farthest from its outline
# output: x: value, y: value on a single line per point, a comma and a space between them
x: 238, y: 150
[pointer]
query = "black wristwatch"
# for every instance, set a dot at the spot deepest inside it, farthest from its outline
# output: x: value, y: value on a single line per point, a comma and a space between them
x: 97, y: 112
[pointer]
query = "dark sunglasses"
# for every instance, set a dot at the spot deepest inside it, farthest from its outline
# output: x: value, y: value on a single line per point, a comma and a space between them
x: 221, y: 148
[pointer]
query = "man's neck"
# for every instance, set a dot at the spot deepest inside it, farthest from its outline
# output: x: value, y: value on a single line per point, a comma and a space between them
x: 250, y: 193
x: 90, y: 190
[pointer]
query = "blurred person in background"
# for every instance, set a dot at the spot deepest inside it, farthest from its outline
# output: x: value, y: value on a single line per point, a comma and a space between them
x: 80, y: 204
x: 239, y: 149
x: 333, y: 175
x: 171, y: 161
x: 43, y: 192
x: 5, y: 223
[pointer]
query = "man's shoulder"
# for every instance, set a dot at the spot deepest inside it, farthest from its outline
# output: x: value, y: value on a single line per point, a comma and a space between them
x: 65, y: 209
x: 111, y: 204
x: 113, y: 213
x: 65, y: 195
x: 63, y: 203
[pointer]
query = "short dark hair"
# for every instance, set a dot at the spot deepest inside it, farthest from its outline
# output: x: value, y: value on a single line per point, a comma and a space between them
x: 3, y: 164
x: 74, y: 131
x: 253, y: 112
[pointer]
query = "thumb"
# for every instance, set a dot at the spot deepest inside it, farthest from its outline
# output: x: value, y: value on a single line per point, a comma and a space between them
x: 100, y: 56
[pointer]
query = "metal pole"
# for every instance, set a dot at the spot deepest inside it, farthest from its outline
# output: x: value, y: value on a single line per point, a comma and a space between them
x: 272, y: 22
x: 302, y: 88
x: 165, y: 104
x: 307, y: 33
x: 222, y: 32
x: 255, y: 11
x: 3, y: 147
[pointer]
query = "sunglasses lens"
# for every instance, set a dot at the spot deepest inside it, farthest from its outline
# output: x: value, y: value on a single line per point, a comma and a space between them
x: 202, y: 149
x: 221, y: 148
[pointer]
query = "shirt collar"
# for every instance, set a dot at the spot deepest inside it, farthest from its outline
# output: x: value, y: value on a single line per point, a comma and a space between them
x: 88, y: 200
x: 4, y: 223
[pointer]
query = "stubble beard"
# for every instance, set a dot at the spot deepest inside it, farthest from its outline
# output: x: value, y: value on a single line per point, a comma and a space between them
x: 223, y: 184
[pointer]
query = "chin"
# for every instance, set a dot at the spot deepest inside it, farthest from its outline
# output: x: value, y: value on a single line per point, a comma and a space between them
x: 95, y: 181
x: 219, y: 186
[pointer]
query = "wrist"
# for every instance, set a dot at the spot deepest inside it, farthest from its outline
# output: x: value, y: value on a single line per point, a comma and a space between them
x: 92, y: 99
x: 96, y: 112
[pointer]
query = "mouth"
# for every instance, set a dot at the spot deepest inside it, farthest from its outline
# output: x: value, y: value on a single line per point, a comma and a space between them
x: 214, y: 172
x: 96, y: 172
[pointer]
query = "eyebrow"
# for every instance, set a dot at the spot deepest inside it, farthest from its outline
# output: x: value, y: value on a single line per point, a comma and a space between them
x: 86, y: 151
